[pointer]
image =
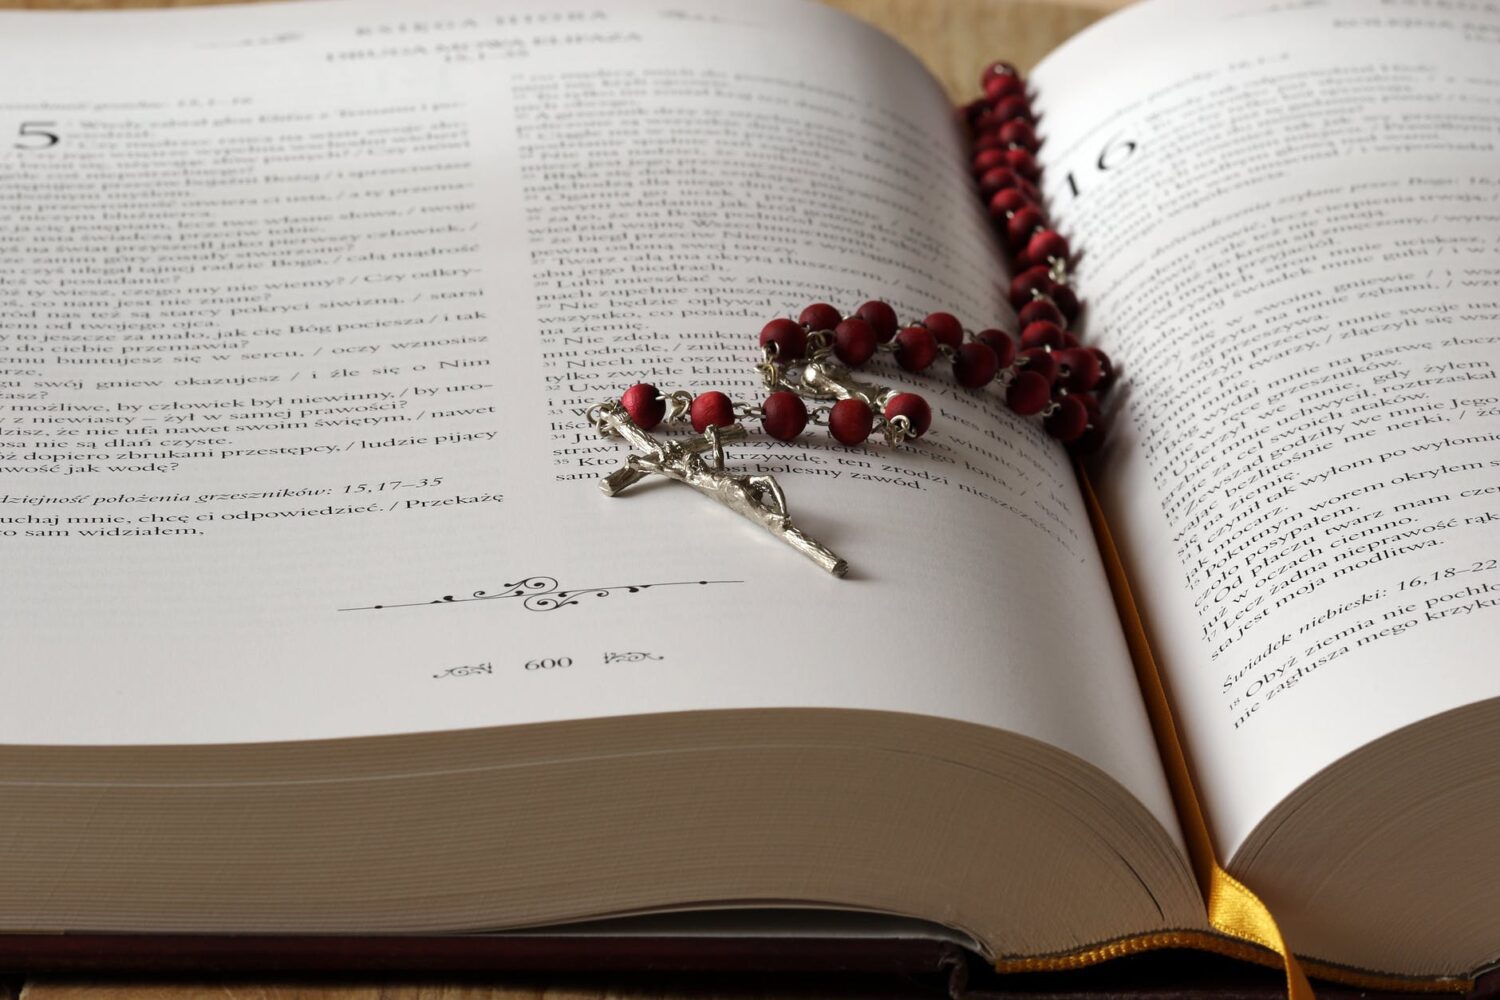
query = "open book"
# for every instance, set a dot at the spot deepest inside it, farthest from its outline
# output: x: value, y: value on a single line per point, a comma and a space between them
x: 316, y: 622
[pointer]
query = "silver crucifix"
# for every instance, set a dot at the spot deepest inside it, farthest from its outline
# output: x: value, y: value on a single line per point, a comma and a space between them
x: 756, y: 498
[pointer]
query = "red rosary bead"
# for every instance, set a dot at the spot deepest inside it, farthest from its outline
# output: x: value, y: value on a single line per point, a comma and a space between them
x: 1042, y: 335
x: 1022, y: 162
x: 854, y: 342
x: 998, y: 341
x: 1008, y: 85
x: 881, y: 317
x: 1046, y: 245
x: 945, y: 327
x: 644, y: 404
x: 1041, y: 311
x: 1093, y: 436
x: 1067, y: 421
x: 998, y: 68
x: 785, y: 415
x: 914, y: 408
x: 998, y: 179
x: 975, y: 365
x: 1004, y: 179
x: 1078, y: 369
x: 1033, y: 279
x: 850, y: 421
x: 1028, y: 393
x: 1018, y: 133
x: 1005, y: 110
x: 820, y: 316
x: 989, y: 159
x: 1008, y: 201
x: 788, y: 336
x: 987, y: 123
x: 916, y: 348
x: 711, y: 409
x: 1066, y: 300
x: 1039, y: 362
x: 1020, y: 226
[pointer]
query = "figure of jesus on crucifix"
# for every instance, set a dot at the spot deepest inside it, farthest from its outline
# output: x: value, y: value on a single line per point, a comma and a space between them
x: 756, y: 498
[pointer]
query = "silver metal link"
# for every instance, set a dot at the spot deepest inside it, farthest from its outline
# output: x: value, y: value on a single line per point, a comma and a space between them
x: 897, y: 429
x: 679, y: 403
x: 819, y: 345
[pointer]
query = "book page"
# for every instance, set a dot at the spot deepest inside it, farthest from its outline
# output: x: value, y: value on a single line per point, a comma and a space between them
x: 297, y: 357
x: 1289, y: 219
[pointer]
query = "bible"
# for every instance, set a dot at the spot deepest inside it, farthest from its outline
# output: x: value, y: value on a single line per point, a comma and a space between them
x: 318, y: 627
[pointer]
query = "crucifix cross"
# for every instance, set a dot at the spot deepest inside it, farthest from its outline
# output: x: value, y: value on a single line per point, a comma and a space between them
x: 758, y: 499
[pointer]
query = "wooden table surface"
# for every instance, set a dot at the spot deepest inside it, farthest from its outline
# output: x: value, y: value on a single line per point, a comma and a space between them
x: 956, y: 38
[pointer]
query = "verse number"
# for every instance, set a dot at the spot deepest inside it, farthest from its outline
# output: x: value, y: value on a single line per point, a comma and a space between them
x: 1449, y: 573
x: 1114, y: 153
x: 550, y: 663
x: 393, y: 484
x: 37, y: 135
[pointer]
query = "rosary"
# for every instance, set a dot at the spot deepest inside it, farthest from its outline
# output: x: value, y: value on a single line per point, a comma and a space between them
x: 1044, y: 372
